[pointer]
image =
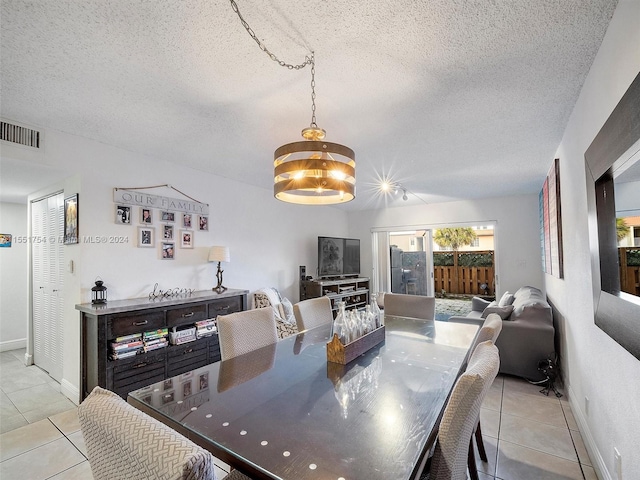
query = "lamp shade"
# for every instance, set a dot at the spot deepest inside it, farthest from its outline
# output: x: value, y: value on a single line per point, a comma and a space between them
x: 219, y: 254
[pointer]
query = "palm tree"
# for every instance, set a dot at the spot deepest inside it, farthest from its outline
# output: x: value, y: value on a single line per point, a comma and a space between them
x: 454, y: 237
x: 621, y: 229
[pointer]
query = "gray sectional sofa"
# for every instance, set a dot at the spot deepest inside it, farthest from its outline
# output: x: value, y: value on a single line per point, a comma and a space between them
x: 527, y: 330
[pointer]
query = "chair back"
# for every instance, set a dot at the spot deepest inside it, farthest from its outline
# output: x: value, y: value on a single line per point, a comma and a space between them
x: 462, y: 412
x: 313, y: 312
x: 242, y: 332
x: 125, y: 443
x: 414, y: 306
x: 490, y: 329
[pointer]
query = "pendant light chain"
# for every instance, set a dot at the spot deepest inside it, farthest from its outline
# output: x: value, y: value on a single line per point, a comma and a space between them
x: 263, y: 47
x: 313, y: 91
x: 308, y: 60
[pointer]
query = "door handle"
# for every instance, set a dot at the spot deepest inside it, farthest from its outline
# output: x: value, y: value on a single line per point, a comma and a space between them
x: 187, y: 315
x: 137, y: 324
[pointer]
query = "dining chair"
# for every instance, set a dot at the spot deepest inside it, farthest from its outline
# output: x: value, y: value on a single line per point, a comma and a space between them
x: 451, y: 454
x: 415, y: 306
x: 242, y: 332
x: 313, y: 312
x: 124, y: 443
x: 490, y: 330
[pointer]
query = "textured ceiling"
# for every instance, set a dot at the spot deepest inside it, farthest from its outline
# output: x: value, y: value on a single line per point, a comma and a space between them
x: 453, y: 98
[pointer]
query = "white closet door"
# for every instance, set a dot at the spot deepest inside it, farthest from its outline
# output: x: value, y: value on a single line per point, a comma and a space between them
x: 47, y: 225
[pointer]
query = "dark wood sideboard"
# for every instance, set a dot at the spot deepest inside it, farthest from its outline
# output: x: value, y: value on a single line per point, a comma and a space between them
x: 101, y: 324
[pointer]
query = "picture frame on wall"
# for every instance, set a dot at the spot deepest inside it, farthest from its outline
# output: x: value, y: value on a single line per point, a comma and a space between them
x: 146, y: 216
x: 186, y: 238
x: 187, y: 219
x: 123, y: 214
x: 5, y: 240
x: 71, y: 219
x: 203, y: 223
x: 167, y: 216
x: 146, y: 236
x: 168, y: 250
x: 167, y: 232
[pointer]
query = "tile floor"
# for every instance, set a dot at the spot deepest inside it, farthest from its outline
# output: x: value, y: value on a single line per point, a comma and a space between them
x: 526, y: 434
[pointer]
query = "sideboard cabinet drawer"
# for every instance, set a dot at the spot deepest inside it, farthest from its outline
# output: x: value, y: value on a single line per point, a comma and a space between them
x: 127, y: 324
x: 192, y: 314
x: 225, y: 306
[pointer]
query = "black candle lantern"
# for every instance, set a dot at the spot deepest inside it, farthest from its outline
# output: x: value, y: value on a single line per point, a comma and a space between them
x: 99, y: 293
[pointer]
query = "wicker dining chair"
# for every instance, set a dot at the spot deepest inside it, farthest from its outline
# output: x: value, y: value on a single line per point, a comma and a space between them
x: 124, y: 443
x: 242, y: 332
x: 313, y: 312
x: 414, y: 306
x: 450, y: 459
x: 490, y: 330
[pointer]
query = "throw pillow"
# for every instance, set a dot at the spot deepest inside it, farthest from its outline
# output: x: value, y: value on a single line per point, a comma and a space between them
x: 506, y: 299
x: 504, y: 312
x: 261, y: 300
x: 287, y: 311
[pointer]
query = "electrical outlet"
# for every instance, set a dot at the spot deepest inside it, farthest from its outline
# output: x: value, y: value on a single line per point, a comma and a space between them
x: 586, y: 406
x: 618, y: 461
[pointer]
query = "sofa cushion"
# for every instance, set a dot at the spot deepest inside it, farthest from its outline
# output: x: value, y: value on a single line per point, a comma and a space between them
x: 506, y: 299
x: 503, y: 312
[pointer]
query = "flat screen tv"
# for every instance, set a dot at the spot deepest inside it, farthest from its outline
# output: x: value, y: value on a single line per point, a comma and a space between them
x: 338, y: 257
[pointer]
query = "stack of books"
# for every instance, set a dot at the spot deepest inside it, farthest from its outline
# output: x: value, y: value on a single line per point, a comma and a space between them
x: 206, y: 327
x: 126, y: 346
x: 155, y: 339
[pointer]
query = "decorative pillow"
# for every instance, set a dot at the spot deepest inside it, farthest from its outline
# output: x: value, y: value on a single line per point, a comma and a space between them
x: 504, y: 312
x: 285, y: 329
x: 507, y: 299
x: 261, y: 300
x: 286, y: 311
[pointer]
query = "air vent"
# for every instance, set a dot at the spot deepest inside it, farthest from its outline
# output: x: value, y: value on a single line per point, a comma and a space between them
x: 20, y: 135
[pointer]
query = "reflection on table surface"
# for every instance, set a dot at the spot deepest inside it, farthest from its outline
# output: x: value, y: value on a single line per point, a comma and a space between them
x: 283, y: 411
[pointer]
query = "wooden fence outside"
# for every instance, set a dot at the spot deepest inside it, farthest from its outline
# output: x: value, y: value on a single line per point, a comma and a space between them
x: 629, y: 274
x: 467, y: 281
x: 464, y: 279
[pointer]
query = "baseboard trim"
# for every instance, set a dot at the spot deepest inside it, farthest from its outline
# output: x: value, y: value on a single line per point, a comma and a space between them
x: 590, y: 444
x: 13, y: 344
x: 70, y: 391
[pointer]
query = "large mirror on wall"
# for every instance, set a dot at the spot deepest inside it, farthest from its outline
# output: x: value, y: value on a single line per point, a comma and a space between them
x: 613, y: 175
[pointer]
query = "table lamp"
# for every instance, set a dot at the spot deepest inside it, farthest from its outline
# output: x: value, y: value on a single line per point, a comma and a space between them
x: 219, y: 254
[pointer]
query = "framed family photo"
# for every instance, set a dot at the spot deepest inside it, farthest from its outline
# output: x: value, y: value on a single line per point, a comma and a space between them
x: 203, y: 223
x: 146, y: 236
x: 71, y: 219
x: 168, y: 250
x: 187, y: 218
x: 167, y: 232
x: 168, y: 216
x: 186, y: 239
x: 123, y: 214
x: 145, y: 216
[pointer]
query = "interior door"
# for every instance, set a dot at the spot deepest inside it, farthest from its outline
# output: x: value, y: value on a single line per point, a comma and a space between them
x: 47, y: 226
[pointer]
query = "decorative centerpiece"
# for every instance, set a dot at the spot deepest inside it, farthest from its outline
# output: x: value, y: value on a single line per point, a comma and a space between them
x: 354, y: 332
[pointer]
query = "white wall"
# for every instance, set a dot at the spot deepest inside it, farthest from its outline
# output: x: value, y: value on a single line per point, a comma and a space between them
x: 14, y: 271
x: 594, y: 365
x: 517, y: 234
x: 268, y: 239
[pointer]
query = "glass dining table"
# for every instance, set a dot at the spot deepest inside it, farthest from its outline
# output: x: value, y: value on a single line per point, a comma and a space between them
x: 284, y: 412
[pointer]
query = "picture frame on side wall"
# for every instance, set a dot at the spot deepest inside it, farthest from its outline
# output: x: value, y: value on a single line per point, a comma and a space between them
x: 146, y: 236
x: 71, y: 219
x: 187, y: 220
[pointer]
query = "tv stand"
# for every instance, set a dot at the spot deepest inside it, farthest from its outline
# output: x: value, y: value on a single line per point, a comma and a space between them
x: 353, y: 291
